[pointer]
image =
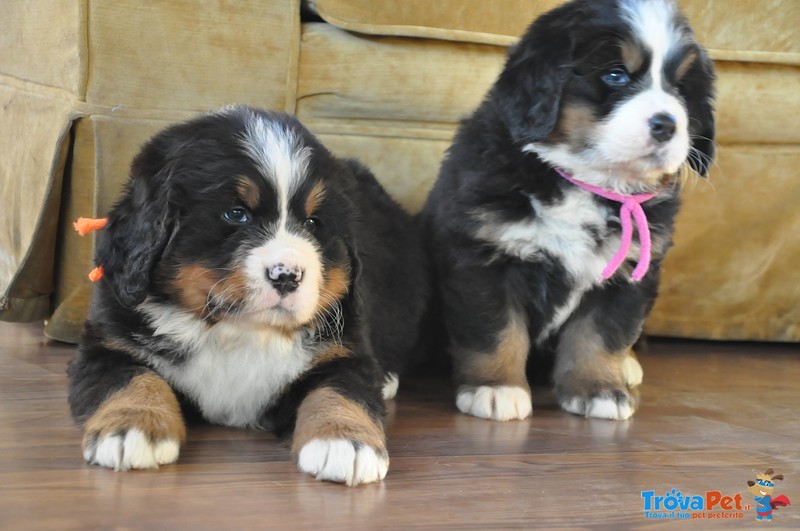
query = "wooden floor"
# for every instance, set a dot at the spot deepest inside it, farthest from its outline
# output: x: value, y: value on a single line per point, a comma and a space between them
x: 711, y: 414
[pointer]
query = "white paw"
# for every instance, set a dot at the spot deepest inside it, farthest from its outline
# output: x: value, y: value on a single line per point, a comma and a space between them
x: 390, y: 386
x: 632, y: 372
x: 133, y: 449
x: 502, y: 402
x: 611, y: 406
x: 342, y: 461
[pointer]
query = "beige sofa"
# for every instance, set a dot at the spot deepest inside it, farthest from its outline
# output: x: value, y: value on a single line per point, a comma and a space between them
x: 84, y: 82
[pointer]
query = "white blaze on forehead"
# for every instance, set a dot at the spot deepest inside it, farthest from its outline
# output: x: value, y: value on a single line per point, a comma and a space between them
x: 653, y: 22
x: 279, y: 154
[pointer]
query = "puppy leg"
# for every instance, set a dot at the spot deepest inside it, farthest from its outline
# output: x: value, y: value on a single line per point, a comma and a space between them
x: 131, y: 416
x: 337, y: 439
x: 489, y: 344
x: 493, y: 382
x: 339, y: 434
x: 596, y: 373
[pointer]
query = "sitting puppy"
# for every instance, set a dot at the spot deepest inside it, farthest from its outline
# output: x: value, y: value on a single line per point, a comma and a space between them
x: 253, y: 278
x: 585, y: 131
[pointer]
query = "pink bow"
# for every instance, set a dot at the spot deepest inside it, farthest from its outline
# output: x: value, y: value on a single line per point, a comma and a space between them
x: 631, y: 206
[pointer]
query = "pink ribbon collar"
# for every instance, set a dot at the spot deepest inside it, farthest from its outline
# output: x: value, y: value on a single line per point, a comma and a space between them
x: 631, y: 206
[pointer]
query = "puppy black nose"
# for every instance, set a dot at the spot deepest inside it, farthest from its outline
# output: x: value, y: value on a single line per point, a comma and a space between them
x: 285, y: 279
x: 662, y: 126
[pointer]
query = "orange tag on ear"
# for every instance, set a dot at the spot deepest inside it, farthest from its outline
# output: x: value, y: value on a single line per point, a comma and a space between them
x: 86, y: 225
x: 96, y: 274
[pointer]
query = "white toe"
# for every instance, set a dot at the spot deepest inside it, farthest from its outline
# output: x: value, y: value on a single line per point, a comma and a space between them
x: 632, y: 372
x: 573, y: 405
x: 391, y: 385
x: 166, y: 451
x: 108, y: 452
x: 338, y: 460
x: 502, y: 402
x: 131, y: 450
x: 600, y: 407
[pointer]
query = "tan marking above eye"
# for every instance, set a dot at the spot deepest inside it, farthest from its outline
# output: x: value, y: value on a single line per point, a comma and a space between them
x: 248, y: 191
x: 632, y: 56
x: 314, y: 198
x: 685, y: 64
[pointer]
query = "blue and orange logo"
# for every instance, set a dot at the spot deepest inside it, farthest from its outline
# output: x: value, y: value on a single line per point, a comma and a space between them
x: 713, y: 504
x: 678, y: 506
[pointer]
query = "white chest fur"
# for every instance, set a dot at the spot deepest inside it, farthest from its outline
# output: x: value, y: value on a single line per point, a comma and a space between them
x: 565, y: 231
x: 231, y: 372
x: 562, y: 230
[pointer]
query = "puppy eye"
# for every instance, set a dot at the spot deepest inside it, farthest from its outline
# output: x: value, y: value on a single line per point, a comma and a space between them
x: 311, y: 224
x: 616, y: 77
x: 237, y: 215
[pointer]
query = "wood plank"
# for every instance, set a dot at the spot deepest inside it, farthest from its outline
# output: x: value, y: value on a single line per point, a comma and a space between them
x: 711, y: 413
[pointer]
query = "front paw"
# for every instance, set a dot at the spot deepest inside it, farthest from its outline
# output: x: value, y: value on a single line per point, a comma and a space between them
x: 501, y: 402
x: 343, y: 461
x: 619, y: 404
x: 129, y: 449
x: 123, y: 439
x: 607, y: 390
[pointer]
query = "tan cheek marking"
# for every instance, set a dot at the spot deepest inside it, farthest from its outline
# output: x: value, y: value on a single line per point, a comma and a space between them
x: 335, y: 285
x: 505, y: 365
x: 314, y: 198
x: 147, y: 403
x: 248, y: 192
x: 575, y: 125
x: 194, y: 283
x: 326, y: 414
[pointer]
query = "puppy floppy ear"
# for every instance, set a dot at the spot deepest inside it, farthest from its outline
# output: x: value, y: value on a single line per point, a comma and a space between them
x: 139, y: 228
x: 697, y: 88
x: 527, y: 95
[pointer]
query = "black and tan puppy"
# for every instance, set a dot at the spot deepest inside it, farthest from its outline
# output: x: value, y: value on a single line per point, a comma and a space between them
x: 614, y: 94
x: 255, y: 279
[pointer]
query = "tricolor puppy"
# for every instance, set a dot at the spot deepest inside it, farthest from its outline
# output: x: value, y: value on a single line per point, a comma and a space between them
x: 255, y: 279
x: 555, y: 204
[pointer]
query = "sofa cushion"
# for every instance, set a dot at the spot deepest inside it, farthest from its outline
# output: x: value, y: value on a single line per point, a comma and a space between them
x: 745, y: 30
x: 732, y: 273
x: 349, y: 76
x: 42, y: 42
x: 171, y: 55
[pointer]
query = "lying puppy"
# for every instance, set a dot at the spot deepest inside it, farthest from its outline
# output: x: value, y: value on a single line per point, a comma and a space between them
x: 253, y: 278
x: 530, y: 222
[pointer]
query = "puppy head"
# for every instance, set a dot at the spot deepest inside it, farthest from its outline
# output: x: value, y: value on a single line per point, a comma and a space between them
x: 236, y: 215
x: 617, y: 92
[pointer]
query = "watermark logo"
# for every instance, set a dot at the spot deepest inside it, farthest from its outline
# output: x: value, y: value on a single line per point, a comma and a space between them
x: 714, y: 505
x: 762, y: 490
x: 675, y: 505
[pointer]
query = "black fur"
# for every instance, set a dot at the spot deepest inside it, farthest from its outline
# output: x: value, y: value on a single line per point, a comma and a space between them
x: 488, y: 178
x: 170, y: 215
